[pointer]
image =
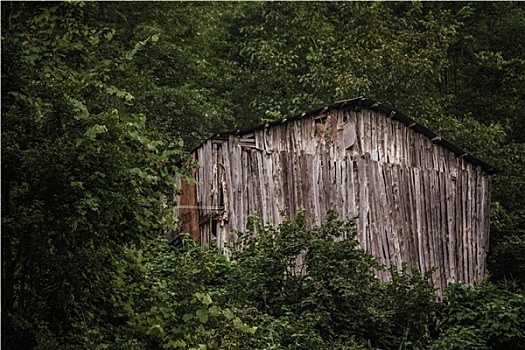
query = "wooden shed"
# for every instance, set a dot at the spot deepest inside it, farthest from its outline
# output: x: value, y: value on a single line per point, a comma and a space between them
x: 416, y: 196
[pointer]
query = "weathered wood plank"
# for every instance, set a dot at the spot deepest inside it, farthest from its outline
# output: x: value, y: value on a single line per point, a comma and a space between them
x: 470, y: 227
x: 374, y: 137
x: 242, y: 193
x: 478, y: 237
x: 331, y: 140
x: 367, y: 132
x: 409, y: 204
x: 400, y: 147
x: 373, y: 236
x: 362, y: 185
x: 214, y: 183
x: 344, y: 210
x: 436, y: 247
x: 220, y: 200
x: 486, y: 216
x: 353, y: 205
x: 419, y: 219
x: 278, y: 179
x: 426, y: 218
x: 442, y: 233
x: 382, y: 215
x: 464, y: 223
x: 315, y: 181
x: 448, y: 232
x: 395, y: 221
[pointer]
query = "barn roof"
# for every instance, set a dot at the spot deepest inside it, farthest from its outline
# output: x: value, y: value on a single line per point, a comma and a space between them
x: 358, y: 102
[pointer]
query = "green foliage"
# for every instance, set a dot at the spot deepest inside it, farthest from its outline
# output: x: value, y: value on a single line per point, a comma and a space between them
x: 179, y: 308
x: 482, y: 317
x: 321, y: 291
x: 83, y: 170
x: 181, y: 81
x: 487, y: 65
x: 409, y: 299
x: 81, y: 180
x: 308, y: 55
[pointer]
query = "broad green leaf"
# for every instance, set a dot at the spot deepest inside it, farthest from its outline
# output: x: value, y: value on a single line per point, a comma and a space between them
x: 202, y: 315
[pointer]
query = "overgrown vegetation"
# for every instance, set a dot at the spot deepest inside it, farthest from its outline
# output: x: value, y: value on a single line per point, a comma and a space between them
x: 100, y: 100
x: 482, y: 317
x: 321, y: 292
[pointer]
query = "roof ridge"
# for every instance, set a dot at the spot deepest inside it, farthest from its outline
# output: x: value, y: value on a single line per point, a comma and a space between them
x: 373, y: 105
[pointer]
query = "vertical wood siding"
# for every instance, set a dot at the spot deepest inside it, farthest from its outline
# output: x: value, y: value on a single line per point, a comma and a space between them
x: 414, y: 200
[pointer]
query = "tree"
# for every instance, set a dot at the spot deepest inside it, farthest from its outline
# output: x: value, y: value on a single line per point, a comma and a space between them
x: 81, y: 178
x: 183, y: 79
x: 294, y: 57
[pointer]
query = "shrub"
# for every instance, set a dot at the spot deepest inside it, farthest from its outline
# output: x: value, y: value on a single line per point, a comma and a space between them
x: 319, y: 289
x: 481, y: 317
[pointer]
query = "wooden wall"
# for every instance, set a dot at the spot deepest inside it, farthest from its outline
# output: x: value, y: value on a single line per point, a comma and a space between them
x: 415, y: 200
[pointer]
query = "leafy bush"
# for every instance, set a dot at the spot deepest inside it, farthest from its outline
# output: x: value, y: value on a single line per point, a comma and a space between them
x: 481, y: 317
x: 314, y: 288
x: 179, y: 307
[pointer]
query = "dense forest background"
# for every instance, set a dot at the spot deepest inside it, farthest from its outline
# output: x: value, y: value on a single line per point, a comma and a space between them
x: 102, y: 101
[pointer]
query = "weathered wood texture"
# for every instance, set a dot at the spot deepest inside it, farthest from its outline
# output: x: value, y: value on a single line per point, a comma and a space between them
x: 414, y: 200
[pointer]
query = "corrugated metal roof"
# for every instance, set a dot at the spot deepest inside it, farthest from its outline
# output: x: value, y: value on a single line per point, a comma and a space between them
x: 364, y: 102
